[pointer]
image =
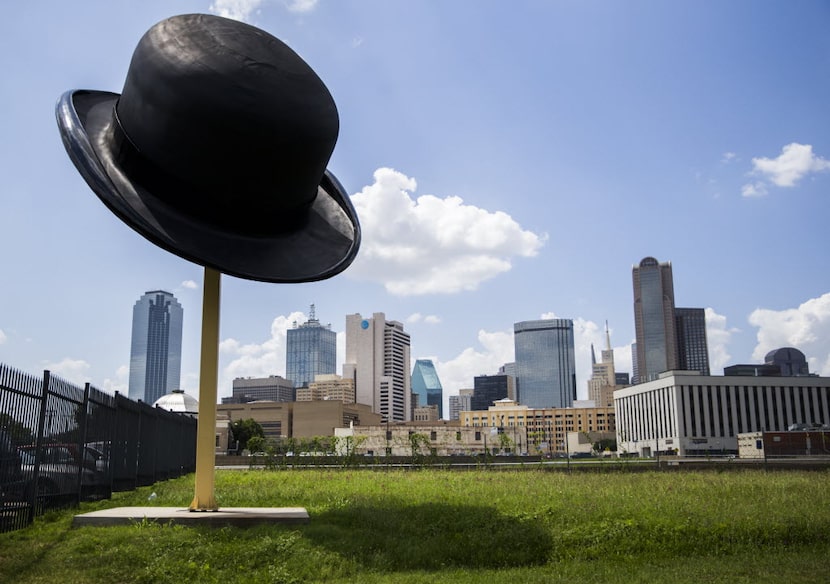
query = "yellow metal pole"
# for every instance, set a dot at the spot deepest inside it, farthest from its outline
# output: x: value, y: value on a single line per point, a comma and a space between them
x: 208, y: 380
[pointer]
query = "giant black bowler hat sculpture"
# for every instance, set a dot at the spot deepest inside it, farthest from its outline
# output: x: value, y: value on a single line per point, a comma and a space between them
x: 216, y: 150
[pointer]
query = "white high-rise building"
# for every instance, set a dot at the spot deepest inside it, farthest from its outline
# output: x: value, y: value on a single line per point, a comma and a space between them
x: 156, y: 349
x: 377, y: 358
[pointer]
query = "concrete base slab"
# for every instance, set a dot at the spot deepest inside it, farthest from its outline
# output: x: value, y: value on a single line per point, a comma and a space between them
x: 225, y: 516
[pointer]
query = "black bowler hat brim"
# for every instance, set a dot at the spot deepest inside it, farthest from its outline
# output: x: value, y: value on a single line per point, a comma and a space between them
x: 324, y: 245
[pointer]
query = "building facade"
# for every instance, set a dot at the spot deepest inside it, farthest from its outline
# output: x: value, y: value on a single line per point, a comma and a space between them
x: 692, y: 345
x: 297, y: 419
x: 250, y: 389
x: 310, y: 350
x: 545, y: 363
x: 156, y: 347
x: 790, y: 362
x: 654, y: 318
x: 328, y: 387
x: 460, y: 402
x: 688, y: 414
x: 427, y: 386
x: 538, y: 430
x: 377, y: 359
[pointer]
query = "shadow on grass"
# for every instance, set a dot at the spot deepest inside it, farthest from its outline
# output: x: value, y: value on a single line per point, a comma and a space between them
x: 429, y: 537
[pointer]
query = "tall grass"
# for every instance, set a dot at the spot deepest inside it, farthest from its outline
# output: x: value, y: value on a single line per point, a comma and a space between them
x: 444, y: 526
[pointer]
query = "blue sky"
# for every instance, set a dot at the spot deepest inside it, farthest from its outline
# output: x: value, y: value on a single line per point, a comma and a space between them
x: 508, y: 160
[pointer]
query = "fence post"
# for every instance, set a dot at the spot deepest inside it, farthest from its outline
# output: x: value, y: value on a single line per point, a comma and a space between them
x: 41, y: 429
x: 82, y: 441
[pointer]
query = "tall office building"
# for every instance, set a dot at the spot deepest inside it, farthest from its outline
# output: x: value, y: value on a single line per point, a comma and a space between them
x: 310, y: 350
x: 460, y: 403
x: 603, y: 379
x: 377, y: 358
x: 427, y: 386
x: 156, y: 348
x: 545, y: 364
x: 692, y: 347
x: 654, y: 319
x: 490, y: 388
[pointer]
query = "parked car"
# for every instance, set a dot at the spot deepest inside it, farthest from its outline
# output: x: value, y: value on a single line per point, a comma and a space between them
x: 60, y: 466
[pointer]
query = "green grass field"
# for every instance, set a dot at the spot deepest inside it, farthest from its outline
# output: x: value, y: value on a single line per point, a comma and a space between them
x: 444, y: 526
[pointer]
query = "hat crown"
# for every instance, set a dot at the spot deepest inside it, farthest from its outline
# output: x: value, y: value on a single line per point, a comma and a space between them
x: 233, y: 113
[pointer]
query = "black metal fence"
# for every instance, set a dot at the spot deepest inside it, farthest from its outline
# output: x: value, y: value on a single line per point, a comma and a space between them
x: 61, y: 444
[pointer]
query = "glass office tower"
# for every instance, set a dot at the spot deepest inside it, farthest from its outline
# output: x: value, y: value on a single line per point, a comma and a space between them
x: 692, y: 346
x: 156, y: 348
x: 426, y: 384
x: 310, y: 350
x: 654, y: 318
x: 545, y: 364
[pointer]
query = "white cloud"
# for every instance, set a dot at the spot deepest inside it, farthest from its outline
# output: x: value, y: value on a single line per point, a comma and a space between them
x: 807, y: 328
x: 3, y: 337
x: 256, y: 359
x: 235, y: 9
x: 793, y: 164
x: 73, y: 370
x: 300, y: 5
x: 432, y: 245
x: 718, y: 336
x: 756, y: 189
x: 120, y: 382
x: 728, y: 157
x: 418, y: 317
x: 190, y: 285
x: 458, y: 373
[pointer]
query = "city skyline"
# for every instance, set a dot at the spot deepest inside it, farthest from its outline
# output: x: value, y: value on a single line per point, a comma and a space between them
x: 691, y: 131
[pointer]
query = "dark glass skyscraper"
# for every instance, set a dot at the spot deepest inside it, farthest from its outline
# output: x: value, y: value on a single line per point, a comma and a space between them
x: 426, y: 384
x: 490, y: 388
x: 311, y: 349
x: 654, y: 319
x: 156, y: 348
x: 545, y: 365
x: 692, y: 347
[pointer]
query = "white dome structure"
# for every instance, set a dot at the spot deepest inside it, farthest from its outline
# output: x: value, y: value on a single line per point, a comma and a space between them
x: 178, y: 401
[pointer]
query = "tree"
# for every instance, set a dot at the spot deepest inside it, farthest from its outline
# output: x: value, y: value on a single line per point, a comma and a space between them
x: 16, y: 431
x: 609, y: 444
x: 244, y: 430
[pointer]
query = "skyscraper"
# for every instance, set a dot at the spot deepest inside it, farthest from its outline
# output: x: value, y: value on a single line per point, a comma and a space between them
x: 377, y: 358
x: 654, y: 319
x: 310, y: 349
x: 427, y: 386
x: 490, y: 388
x: 460, y: 403
x: 545, y: 365
x: 692, y: 347
x: 603, y: 380
x: 156, y: 348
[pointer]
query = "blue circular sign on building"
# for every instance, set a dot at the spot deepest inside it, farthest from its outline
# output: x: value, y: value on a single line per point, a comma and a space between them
x: 364, y: 324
